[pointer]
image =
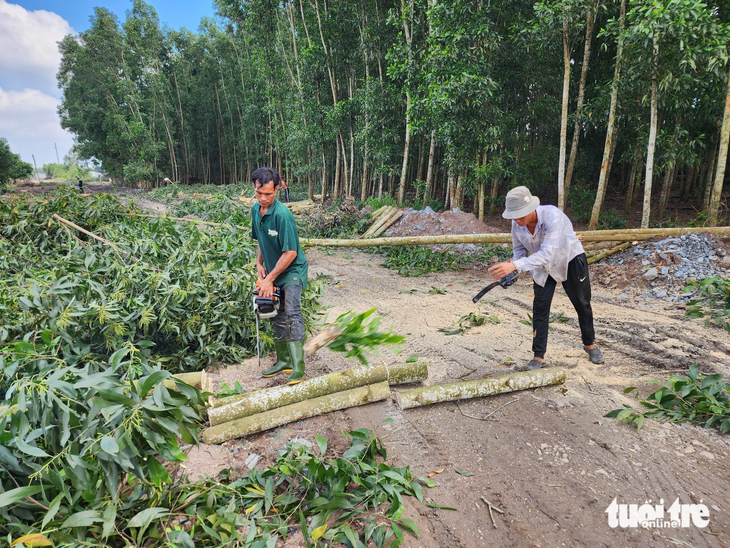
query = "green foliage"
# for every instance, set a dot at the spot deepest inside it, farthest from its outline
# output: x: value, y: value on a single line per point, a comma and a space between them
x: 80, y: 438
x: 611, y: 219
x: 418, y: 260
x: 357, y: 337
x: 580, y: 202
x: 713, y: 301
x: 700, y: 399
x: 226, y: 390
x: 177, y: 291
x: 554, y: 317
x: 66, y: 172
x: 376, y: 202
x: 11, y: 166
x: 468, y: 321
x: 338, y: 220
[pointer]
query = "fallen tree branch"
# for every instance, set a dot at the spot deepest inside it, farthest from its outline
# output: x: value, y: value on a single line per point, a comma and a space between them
x: 388, y: 223
x: 426, y: 395
x: 280, y: 396
x: 295, y: 412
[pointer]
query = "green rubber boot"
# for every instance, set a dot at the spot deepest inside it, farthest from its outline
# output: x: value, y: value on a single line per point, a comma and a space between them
x: 283, y: 360
x: 296, y: 354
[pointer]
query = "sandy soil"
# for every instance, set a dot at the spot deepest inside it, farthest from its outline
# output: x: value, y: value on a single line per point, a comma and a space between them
x: 546, y: 457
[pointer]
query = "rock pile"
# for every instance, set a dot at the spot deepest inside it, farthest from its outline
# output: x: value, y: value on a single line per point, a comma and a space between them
x: 669, y: 264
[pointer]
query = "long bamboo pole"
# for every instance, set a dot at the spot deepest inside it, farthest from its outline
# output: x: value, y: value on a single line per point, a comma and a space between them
x: 426, y: 395
x: 630, y: 234
x: 297, y: 411
x: 279, y: 396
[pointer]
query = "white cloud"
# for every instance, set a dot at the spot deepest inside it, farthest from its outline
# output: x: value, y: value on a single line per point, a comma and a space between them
x: 29, y: 56
x: 29, y: 121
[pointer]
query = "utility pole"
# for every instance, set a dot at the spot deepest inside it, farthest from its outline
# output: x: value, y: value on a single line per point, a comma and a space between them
x: 57, y: 160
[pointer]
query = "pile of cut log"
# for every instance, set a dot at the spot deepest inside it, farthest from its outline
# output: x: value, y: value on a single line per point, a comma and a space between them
x: 383, y: 219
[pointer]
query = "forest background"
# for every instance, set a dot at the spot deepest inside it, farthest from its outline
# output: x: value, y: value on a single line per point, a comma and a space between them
x: 441, y: 103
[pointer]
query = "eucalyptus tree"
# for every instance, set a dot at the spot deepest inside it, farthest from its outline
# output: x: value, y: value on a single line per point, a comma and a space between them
x: 563, y: 18
x: 677, y: 45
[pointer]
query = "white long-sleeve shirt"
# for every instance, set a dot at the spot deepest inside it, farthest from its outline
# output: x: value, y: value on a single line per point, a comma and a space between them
x: 548, y: 251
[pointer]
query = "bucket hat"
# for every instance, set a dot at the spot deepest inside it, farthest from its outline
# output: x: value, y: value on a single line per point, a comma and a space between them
x: 520, y: 202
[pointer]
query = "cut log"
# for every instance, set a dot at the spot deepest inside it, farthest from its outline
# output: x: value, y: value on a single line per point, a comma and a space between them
x: 634, y: 234
x: 387, y: 224
x: 607, y: 253
x: 322, y: 339
x: 279, y: 396
x: 382, y: 218
x: 426, y: 395
x: 297, y: 411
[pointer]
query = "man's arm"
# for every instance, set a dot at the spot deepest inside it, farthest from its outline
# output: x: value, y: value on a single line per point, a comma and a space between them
x: 266, y: 289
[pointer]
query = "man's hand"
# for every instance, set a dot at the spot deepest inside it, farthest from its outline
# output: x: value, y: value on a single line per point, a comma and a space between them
x: 500, y: 270
x: 261, y: 269
x: 266, y: 288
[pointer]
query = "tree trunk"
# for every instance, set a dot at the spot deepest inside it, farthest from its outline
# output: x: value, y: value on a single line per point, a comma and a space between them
x: 260, y: 401
x: 429, y: 172
x: 564, y: 116
x: 603, y: 177
x: 406, y: 146
x: 710, y: 172
x: 646, y: 214
x: 668, y: 176
x: 579, y: 107
x: 427, y: 395
x: 295, y: 412
x: 632, y: 183
x: 721, y: 161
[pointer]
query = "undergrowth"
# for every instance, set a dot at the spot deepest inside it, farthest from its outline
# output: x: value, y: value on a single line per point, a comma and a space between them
x: 713, y: 302
x: 419, y: 260
x: 703, y: 400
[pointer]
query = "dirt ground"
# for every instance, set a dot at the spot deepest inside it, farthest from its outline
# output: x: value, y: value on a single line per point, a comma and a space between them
x: 546, y: 457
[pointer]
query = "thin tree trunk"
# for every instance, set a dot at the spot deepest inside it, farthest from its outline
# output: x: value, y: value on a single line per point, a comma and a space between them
x: 668, y: 176
x: 579, y: 107
x: 429, y: 172
x: 646, y: 214
x: 605, y: 164
x: 710, y: 172
x: 406, y: 147
x: 721, y: 162
x: 632, y: 182
x: 564, y: 115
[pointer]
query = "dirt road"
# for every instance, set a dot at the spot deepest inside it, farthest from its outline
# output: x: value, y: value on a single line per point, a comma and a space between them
x: 547, y: 458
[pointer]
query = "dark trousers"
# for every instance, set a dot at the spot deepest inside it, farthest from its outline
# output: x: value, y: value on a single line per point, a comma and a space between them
x: 288, y: 324
x: 578, y: 289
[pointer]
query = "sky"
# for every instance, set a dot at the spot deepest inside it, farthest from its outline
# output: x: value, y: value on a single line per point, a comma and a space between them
x: 29, y: 61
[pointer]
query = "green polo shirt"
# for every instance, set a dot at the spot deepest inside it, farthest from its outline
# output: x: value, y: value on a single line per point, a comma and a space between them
x: 276, y: 232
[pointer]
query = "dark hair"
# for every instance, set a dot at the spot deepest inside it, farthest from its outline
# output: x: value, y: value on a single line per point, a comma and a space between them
x: 265, y: 175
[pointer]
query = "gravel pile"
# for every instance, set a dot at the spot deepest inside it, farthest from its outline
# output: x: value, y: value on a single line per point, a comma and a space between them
x: 670, y: 263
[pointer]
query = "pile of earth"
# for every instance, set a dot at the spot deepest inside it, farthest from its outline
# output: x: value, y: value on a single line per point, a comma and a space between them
x: 427, y: 222
x: 663, y: 268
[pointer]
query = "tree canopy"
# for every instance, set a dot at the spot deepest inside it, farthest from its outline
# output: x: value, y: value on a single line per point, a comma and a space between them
x: 426, y: 100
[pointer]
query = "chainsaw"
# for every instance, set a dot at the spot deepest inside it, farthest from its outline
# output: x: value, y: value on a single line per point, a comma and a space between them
x: 264, y: 308
x: 505, y: 282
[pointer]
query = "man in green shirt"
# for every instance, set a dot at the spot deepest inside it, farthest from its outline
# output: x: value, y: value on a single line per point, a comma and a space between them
x: 280, y: 262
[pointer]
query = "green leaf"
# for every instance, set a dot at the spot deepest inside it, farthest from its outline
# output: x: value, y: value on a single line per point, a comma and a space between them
x: 82, y: 519
x: 319, y: 531
x: 467, y: 474
x: 30, y: 449
x: 322, y: 444
x: 19, y: 493
x: 109, y: 445
x: 145, y: 517
x: 412, y: 358
x: 432, y: 505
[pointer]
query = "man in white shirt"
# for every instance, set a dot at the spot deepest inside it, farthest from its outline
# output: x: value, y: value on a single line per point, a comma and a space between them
x: 545, y: 245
